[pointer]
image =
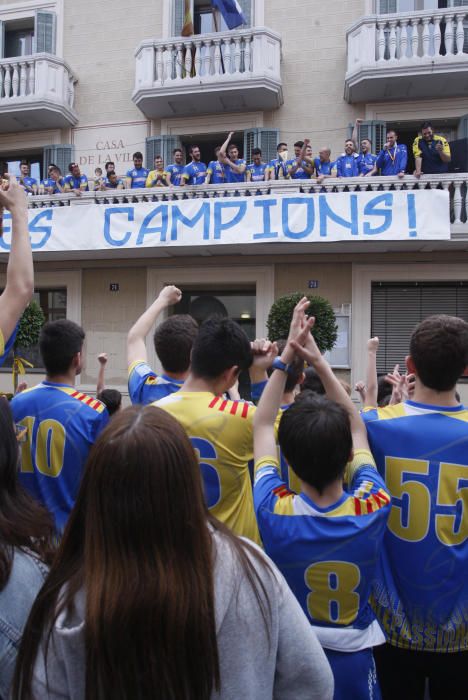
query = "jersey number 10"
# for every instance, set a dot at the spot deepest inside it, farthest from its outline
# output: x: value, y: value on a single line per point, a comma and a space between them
x: 49, y: 450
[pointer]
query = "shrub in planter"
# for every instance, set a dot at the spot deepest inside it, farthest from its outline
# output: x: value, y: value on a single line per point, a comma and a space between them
x: 324, y: 330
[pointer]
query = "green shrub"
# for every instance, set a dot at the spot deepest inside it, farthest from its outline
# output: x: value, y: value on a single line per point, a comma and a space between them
x: 324, y: 330
x: 30, y: 326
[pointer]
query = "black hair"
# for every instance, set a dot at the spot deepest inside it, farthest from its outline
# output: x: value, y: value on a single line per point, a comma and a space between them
x: 299, y: 144
x: 384, y: 391
x: 24, y: 162
x: 158, y: 156
x: 426, y: 125
x: 221, y: 344
x: 193, y: 147
x: 71, y: 166
x: 177, y: 150
x: 281, y: 144
x: 296, y: 368
x: 366, y: 138
x: 173, y: 340
x: 233, y: 145
x: 109, y: 162
x: 112, y: 399
x: 59, y: 342
x: 138, y: 155
x: 257, y: 152
x: 439, y: 350
x: 315, y: 438
x: 312, y: 382
x: 110, y: 172
x: 394, y: 131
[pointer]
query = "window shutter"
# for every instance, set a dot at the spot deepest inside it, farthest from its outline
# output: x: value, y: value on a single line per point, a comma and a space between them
x: 397, y: 308
x: 387, y: 7
x: 178, y: 16
x: 160, y: 146
x: 266, y: 139
x: 375, y: 131
x: 62, y: 155
x: 45, y: 31
x: 2, y: 39
x: 246, y: 7
x: 463, y: 127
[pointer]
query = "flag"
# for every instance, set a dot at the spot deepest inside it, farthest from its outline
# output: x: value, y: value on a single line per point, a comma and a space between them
x: 187, y: 29
x: 231, y: 12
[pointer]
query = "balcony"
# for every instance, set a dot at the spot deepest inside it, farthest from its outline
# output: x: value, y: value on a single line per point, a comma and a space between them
x: 36, y: 92
x: 409, y: 55
x: 209, y: 74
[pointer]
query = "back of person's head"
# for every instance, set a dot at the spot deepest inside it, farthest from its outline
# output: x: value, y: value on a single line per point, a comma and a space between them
x: 439, y: 351
x: 315, y: 438
x: 173, y: 340
x: 312, y: 382
x: 384, y: 391
x: 295, y: 371
x: 59, y: 342
x: 112, y: 399
x: 138, y: 542
x: 220, y: 345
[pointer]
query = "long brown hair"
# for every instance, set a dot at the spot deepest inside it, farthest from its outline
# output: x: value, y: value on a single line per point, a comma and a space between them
x: 138, y: 541
x: 24, y: 523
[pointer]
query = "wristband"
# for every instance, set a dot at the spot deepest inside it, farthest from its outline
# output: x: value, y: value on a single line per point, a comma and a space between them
x: 279, y: 364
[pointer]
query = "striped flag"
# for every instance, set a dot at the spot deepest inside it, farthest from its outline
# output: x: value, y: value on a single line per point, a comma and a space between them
x: 231, y: 12
x: 187, y: 29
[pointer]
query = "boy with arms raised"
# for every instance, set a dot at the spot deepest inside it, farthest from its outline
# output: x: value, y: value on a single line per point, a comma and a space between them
x: 326, y: 541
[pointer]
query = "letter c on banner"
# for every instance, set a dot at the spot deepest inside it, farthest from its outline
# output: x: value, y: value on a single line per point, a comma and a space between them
x: 130, y: 212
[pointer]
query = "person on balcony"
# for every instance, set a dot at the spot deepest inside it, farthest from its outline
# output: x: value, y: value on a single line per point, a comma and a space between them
x: 235, y: 167
x: 175, y: 169
x: 393, y: 158
x: 277, y: 168
x: 324, y: 167
x: 216, y: 171
x: 54, y: 183
x: 75, y: 181
x: 347, y: 165
x: 301, y: 167
x: 367, y: 158
x: 136, y: 177
x: 113, y: 182
x: 28, y: 183
x: 431, y: 152
x: 257, y: 171
x: 158, y: 176
x: 195, y: 171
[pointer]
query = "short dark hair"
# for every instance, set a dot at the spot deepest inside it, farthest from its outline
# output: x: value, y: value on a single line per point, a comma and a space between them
x: 220, y: 344
x: 109, y: 162
x: 281, y: 144
x: 233, y: 145
x: 173, y: 340
x: 55, y: 168
x: 384, y: 390
x: 137, y: 154
x: 366, y: 138
x: 110, y: 172
x: 299, y: 144
x: 426, y: 125
x: 439, y: 350
x: 71, y: 166
x: 177, y: 150
x: 315, y: 438
x: 257, y: 152
x: 392, y: 131
x: 296, y: 368
x: 24, y: 162
x: 312, y: 382
x: 112, y: 399
x: 59, y: 341
x: 193, y: 147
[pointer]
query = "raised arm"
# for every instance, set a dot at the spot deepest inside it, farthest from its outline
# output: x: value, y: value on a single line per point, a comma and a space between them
x: 223, y: 150
x: 20, y: 274
x: 355, y: 134
x: 136, y: 346
x: 371, y: 379
x: 102, y: 359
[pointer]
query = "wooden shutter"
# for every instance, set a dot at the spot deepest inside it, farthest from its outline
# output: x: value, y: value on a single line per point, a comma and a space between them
x: 62, y: 155
x: 160, y: 146
x: 266, y: 139
x: 45, y: 32
x: 397, y: 307
x: 375, y: 131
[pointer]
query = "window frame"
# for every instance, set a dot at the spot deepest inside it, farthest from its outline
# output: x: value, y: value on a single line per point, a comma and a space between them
x: 26, y: 9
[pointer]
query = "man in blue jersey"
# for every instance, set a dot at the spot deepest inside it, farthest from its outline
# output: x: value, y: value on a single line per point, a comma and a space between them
x: 229, y: 156
x: 257, y: 171
x: 421, y: 449
x: 136, y: 176
x: 277, y: 168
x: 367, y: 158
x: 324, y: 167
x: 195, y: 171
x: 175, y: 169
x: 54, y: 183
x: 62, y: 422
x: 431, y: 152
x: 300, y: 167
x: 113, y: 182
x: 327, y: 540
x: 216, y: 171
x: 75, y: 181
x: 393, y: 158
x: 347, y: 164
x: 28, y: 183
x: 173, y: 341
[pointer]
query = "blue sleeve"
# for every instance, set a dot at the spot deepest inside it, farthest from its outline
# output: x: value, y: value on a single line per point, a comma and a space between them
x: 138, y: 375
x: 128, y: 173
x: 257, y: 389
x: 8, y: 345
x: 266, y: 484
x: 403, y: 159
x: 99, y: 424
x: 369, y: 414
x: 338, y: 167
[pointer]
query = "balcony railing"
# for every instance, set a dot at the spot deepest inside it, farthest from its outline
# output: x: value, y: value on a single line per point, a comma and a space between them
x: 456, y: 185
x: 208, y: 63
x: 431, y: 45
x: 42, y: 87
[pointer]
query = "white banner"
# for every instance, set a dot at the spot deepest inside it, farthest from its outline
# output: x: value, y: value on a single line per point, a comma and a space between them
x: 344, y: 216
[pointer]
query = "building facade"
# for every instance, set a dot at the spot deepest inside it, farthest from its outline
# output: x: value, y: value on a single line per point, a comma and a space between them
x: 92, y: 82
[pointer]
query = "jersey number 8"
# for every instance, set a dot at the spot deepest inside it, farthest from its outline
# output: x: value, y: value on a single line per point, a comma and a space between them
x: 333, y: 597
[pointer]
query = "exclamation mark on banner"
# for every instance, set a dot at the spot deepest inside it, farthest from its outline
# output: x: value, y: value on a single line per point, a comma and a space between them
x: 412, y: 216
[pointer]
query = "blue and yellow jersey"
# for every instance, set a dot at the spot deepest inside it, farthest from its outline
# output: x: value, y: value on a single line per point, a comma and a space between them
x: 6, y: 347
x: 300, y: 173
x: 138, y: 177
x: 257, y: 172
x: 76, y: 183
x: 392, y: 161
x: 145, y: 386
x: 194, y: 173
x: 62, y: 424
x: 421, y: 596
x: 175, y: 171
x: 366, y: 163
x: 231, y: 176
x: 49, y: 182
x: 28, y: 183
x: 156, y: 178
x: 217, y: 172
x: 347, y: 165
x: 328, y: 555
x: 323, y: 167
x: 278, y: 167
x: 432, y: 163
x: 222, y: 436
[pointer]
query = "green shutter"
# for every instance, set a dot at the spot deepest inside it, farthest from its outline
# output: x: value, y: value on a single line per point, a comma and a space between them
x: 2, y: 39
x: 375, y: 131
x: 45, y: 32
x: 266, y: 139
x: 160, y: 146
x: 62, y: 155
x: 387, y: 7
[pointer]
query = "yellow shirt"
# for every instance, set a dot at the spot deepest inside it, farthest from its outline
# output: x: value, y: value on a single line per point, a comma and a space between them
x: 152, y: 179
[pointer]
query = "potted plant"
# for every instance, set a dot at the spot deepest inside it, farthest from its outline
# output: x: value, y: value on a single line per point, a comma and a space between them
x: 324, y: 330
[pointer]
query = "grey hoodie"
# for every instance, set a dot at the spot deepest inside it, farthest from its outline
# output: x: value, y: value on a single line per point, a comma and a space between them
x: 290, y: 666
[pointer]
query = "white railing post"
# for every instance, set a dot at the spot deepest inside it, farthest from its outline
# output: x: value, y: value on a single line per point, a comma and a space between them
x: 198, y: 61
x: 457, y: 202
x: 22, y: 78
x: 7, y: 81
x: 403, y: 38
x: 207, y: 58
x: 414, y: 37
x: 449, y: 34
x: 188, y: 59
x: 381, y: 41
x: 437, y: 36
x: 31, y: 77
x: 426, y: 37
x: 179, y: 59
x: 159, y: 77
x: 460, y: 32
x: 392, y: 42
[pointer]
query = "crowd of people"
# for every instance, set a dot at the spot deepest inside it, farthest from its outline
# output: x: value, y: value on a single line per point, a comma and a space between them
x: 431, y: 152
x: 196, y: 545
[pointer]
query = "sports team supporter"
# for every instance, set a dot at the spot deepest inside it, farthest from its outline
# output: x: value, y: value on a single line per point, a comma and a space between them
x: 62, y: 422
x: 54, y: 183
x: 421, y: 449
x: 324, y: 167
x: 234, y: 166
x: 216, y: 171
x: 136, y: 177
x: 366, y: 157
x: 173, y: 340
x: 158, y: 176
x: 257, y: 171
x: 298, y: 167
x: 431, y: 152
x: 327, y: 540
x: 393, y: 158
x: 28, y: 183
x: 220, y: 429
x: 347, y: 164
x: 113, y: 182
x: 194, y: 172
x: 26, y: 532
x: 98, y: 179
x: 75, y: 181
x: 277, y: 168
x: 175, y: 169
x: 111, y: 398
x: 108, y: 167
x: 210, y: 615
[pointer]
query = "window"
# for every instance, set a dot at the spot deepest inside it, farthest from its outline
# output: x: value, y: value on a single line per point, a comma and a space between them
x: 397, y: 307
x: 205, y: 19
x: 19, y: 38
x: 11, y: 163
x: 53, y: 302
x: 29, y: 35
x: 392, y: 6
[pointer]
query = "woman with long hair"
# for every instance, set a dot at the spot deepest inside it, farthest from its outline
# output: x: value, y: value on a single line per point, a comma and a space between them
x: 149, y: 597
x: 25, y: 547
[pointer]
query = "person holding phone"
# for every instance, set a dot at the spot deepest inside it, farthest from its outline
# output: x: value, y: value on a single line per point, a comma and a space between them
x: 431, y: 152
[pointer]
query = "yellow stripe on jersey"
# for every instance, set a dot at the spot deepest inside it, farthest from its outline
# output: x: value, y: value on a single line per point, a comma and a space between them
x: 90, y: 401
x: 267, y: 461
x: 2, y: 343
x: 134, y: 364
x: 395, y: 411
x: 361, y: 458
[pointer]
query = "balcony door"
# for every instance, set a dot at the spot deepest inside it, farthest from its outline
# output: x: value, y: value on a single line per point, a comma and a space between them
x: 205, y: 19
x: 392, y: 6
